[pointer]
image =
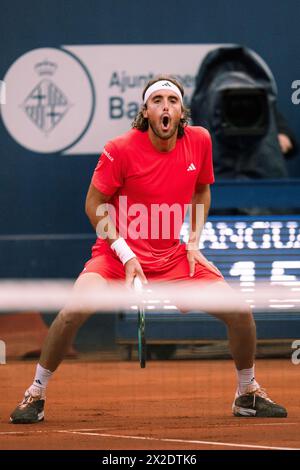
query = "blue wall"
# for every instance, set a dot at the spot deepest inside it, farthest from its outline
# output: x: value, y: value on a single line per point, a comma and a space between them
x: 45, y: 194
x: 270, y: 28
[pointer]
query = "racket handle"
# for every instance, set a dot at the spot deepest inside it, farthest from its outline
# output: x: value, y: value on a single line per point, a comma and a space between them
x: 137, y: 284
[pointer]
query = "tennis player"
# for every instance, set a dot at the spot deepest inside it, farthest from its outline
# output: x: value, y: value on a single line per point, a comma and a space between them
x: 149, y: 175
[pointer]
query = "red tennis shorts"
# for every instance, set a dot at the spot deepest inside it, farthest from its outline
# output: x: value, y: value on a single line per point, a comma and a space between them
x: 175, y: 268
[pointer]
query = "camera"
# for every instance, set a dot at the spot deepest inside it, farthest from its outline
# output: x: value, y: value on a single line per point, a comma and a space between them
x: 235, y: 99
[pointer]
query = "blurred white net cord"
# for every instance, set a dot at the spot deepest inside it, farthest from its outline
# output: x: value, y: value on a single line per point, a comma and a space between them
x: 52, y: 296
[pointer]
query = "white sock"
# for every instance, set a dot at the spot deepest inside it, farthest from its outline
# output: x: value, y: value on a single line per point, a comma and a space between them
x: 245, y: 378
x: 41, y: 378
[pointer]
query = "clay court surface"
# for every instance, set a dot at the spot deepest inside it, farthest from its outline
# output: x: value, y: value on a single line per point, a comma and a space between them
x: 169, y: 405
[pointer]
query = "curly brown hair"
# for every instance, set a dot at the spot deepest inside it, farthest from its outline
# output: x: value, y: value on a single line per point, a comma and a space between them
x: 141, y: 123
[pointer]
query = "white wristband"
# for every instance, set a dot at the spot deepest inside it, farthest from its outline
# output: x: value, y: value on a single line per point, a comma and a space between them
x: 122, y: 250
x: 192, y: 246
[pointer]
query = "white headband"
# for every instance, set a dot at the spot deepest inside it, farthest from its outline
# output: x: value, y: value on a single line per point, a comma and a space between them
x: 162, y: 85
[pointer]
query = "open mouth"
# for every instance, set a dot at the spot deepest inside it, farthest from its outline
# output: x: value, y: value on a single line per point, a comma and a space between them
x: 165, y: 122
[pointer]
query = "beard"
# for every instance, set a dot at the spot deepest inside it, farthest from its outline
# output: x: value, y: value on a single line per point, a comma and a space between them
x: 163, y: 134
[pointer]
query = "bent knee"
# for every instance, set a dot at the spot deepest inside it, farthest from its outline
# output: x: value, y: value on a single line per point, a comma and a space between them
x: 242, y: 317
x: 68, y: 317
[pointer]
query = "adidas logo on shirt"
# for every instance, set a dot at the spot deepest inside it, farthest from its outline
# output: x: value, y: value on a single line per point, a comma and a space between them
x: 191, y: 167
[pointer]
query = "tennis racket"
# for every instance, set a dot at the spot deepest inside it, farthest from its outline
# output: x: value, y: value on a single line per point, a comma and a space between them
x: 138, y: 287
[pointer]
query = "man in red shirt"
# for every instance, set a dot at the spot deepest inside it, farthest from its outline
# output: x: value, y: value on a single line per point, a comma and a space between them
x: 149, y: 176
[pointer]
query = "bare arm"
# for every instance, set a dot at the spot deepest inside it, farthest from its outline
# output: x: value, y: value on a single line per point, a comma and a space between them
x: 199, y: 211
x: 96, y: 210
x: 200, y: 207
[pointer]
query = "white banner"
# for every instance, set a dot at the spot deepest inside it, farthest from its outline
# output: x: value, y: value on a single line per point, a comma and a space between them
x: 72, y: 100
